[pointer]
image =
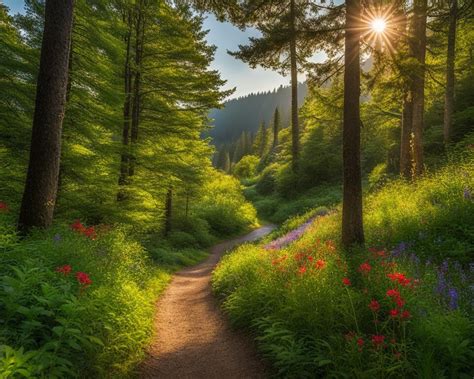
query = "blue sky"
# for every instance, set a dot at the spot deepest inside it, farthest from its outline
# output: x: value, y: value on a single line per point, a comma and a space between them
x: 226, y: 37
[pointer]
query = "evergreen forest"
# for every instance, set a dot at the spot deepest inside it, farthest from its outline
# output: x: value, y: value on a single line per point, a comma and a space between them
x: 155, y: 224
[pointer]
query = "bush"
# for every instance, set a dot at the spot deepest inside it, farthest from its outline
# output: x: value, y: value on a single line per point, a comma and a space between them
x: 224, y: 207
x: 77, y: 306
x: 197, y: 227
x: 247, y: 167
x: 267, y: 182
x: 181, y: 239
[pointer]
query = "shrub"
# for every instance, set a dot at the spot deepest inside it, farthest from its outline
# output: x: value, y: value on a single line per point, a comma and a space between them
x: 77, y: 305
x: 247, y: 167
x: 267, y: 182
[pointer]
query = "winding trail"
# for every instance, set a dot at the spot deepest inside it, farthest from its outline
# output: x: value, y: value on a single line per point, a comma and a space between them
x: 192, y: 337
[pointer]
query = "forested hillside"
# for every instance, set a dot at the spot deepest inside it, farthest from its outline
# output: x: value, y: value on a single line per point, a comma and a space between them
x: 245, y: 114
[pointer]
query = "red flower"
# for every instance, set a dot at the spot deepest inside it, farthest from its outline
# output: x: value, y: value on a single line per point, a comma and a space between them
x: 360, y: 342
x: 310, y: 258
x: 299, y: 256
x: 393, y: 293
x: 90, y: 233
x: 374, y: 305
x: 320, y: 264
x: 378, y: 340
x: 400, y: 302
x: 346, y: 281
x: 302, y: 270
x: 77, y: 226
x: 400, y: 278
x: 394, y: 313
x: 405, y: 315
x: 365, y: 268
x: 65, y: 270
x: 3, y: 207
x: 83, y: 279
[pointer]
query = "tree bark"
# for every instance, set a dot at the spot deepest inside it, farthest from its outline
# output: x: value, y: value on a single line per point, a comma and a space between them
x: 419, y: 52
x: 41, y: 185
x: 352, y: 224
x: 450, y: 78
x: 406, y: 131
x: 276, y: 128
x: 168, y: 211
x: 295, y: 130
x: 125, y: 156
x: 136, y: 89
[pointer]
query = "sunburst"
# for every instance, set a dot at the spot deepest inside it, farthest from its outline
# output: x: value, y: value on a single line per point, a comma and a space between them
x: 382, y: 27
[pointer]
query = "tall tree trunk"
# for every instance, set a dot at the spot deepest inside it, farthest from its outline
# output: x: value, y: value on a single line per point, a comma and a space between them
x: 276, y: 128
x: 295, y: 130
x: 41, y: 185
x: 68, y: 96
x: 419, y: 52
x: 450, y: 78
x: 168, y: 211
x: 125, y: 156
x: 352, y: 225
x: 406, y: 132
x: 136, y: 89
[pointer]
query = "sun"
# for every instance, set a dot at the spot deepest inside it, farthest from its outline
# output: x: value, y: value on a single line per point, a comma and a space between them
x: 378, y: 25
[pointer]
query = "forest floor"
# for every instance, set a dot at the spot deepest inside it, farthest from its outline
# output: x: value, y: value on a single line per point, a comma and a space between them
x: 193, y: 339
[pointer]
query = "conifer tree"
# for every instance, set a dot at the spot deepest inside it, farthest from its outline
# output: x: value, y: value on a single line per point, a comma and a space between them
x: 40, y: 192
x: 276, y: 128
x: 352, y: 225
x: 281, y: 47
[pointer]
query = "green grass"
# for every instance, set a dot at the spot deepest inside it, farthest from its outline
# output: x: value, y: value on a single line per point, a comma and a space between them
x: 309, y: 324
x: 277, y: 210
x: 53, y: 327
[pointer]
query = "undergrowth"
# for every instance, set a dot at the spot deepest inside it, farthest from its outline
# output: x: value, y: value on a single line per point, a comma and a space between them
x: 402, y: 307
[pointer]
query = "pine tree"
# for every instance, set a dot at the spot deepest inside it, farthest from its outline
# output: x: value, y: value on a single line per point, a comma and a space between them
x: 42, y: 179
x: 352, y: 225
x: 276, y: 128
x: 450, y: 75
x: 281, y: 47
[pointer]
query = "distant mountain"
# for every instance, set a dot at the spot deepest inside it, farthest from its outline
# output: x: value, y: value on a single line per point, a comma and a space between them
x: 246, y: 113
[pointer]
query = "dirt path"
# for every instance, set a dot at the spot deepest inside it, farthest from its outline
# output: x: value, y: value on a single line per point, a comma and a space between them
x: 193, y: 338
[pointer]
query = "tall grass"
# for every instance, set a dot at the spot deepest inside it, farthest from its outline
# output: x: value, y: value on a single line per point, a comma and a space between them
x: 400, y: 308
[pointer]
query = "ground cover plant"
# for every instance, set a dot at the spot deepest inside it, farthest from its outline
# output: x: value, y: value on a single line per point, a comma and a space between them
x: 79, y: 300
x: 401, y: 307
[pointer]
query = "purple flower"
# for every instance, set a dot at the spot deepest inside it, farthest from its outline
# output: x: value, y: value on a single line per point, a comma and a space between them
x: 453, y: 298
x: 399, y: 249
x: 57, y: 238
x: 290, y: 237
x: 467, y: 194
x: 444, y: 266
x: 441, y: 285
